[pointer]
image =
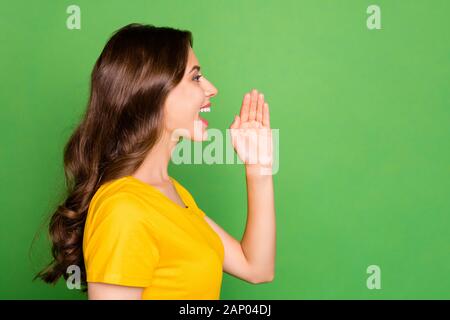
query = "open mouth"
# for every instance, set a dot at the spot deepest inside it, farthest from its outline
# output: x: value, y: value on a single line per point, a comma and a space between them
x: 206, y: 108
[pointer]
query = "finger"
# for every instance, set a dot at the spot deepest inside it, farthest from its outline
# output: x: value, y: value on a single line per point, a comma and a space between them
x: 259, y: 108
x: 266, y: 116
x: 253, y: 105
x: 245, y: 108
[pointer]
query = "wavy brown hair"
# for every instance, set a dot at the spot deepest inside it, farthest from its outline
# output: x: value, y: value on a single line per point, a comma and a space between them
x: 131, y: 79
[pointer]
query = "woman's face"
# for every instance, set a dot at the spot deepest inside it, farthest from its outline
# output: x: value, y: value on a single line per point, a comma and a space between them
x: 183, y: 104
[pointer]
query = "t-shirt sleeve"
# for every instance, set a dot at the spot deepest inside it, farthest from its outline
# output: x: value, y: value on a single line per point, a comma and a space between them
x: 122, y: 248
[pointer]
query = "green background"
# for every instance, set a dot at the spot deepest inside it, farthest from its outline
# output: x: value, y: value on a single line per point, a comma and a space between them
x: 363, y: 116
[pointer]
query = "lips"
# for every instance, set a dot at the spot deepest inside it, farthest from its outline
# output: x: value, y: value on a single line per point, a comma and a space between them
x: 206, y: 105
x: 205, y: 122
x: 205, y: 108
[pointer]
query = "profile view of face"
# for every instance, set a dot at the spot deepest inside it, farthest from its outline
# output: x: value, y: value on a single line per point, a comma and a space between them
x: 182, y: 109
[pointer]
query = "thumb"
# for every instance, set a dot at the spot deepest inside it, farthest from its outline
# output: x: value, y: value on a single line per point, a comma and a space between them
x: 236, y: 122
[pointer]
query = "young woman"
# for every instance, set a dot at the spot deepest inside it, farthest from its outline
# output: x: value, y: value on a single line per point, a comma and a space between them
x: 134, y: 231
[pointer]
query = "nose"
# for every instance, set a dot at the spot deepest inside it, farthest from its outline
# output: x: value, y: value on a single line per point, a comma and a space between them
x: 210, y: 90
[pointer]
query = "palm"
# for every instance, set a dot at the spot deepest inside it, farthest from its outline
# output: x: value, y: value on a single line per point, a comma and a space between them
x: 250, y: 131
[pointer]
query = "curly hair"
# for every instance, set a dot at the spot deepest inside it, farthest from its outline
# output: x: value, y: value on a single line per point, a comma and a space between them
x: 131, y: 79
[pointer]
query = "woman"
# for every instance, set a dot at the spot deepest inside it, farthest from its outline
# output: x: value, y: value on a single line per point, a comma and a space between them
x: 134, y: 231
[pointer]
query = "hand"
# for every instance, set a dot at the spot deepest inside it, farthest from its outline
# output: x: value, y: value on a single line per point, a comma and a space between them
x: 251, y: 135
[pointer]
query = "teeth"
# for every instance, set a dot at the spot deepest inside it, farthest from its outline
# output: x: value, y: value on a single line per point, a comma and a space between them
x: 205, y: 109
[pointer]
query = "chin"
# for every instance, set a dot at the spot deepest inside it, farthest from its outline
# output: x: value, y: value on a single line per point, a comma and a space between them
x: 198, y: 136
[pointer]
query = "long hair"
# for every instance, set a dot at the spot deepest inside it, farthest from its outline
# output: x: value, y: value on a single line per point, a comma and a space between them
x: 130, y: 81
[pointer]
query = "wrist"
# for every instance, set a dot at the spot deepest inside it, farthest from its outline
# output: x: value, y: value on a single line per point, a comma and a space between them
x: 257, y: 170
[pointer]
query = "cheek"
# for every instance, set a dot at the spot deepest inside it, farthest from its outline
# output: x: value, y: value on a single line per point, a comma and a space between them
x: 192, y: 102
x: 183, y: 106
x: 197, y: 97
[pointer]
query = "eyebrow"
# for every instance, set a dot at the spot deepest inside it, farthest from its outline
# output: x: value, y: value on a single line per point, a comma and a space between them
x: 195, y: 68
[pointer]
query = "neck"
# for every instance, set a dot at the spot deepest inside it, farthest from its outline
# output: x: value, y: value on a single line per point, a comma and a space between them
x: 154, y: 168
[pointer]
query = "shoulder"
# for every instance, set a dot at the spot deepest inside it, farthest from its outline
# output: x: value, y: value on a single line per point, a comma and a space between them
x: 120, y: 188
x: 119, y: 200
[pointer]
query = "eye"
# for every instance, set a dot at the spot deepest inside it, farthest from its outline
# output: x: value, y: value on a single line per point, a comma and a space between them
x: 197, y: 77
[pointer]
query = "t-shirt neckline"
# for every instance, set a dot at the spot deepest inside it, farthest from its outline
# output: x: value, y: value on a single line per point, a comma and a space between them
x: 159, y: 192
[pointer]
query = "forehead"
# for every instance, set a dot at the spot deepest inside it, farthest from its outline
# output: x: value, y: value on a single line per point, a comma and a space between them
x: 192, y: 59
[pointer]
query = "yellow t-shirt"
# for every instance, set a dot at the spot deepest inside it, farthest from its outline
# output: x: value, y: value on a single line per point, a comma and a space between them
x: 136, y: 236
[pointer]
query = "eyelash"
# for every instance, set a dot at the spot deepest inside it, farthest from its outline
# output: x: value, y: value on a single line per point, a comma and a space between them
x: 196, y: 78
